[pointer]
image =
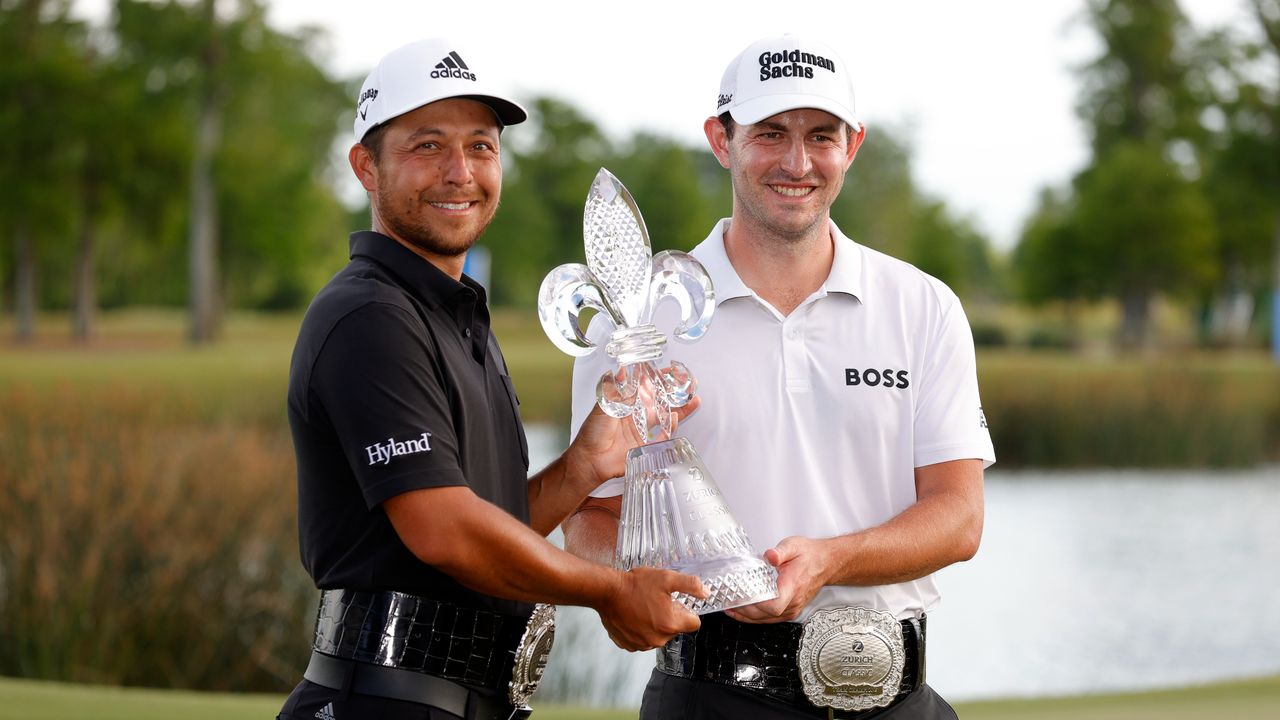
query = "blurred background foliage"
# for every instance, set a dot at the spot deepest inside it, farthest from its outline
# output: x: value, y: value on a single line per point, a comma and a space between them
x: 180, y: 154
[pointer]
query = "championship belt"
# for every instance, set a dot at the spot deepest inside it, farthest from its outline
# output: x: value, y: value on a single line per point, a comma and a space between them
x: 851, y: 658
x: 531, y: 654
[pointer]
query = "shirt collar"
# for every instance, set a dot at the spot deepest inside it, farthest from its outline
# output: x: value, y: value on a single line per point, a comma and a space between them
x: 710, y: 252
x: 431, y: 284
x: 845, y: 275
x: 464, y: 298
x: 846, y: 266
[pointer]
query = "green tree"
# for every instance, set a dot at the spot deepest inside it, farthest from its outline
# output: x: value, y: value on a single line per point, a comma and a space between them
x: 550, y: 162
x: 278, y: 211
x: 210, y: 89
x: 1238, y: 79
x: 1048, y: 263
x: 1142, y: 229
x: 664, y: 178
x: 260, y: 205
x: 951, y: 250
x: 37, y: 80
x: 1137, y: 89
x: 1267, y: 13
x: 1138, y: 223
x: 881, y: 206
x: 878, y: 201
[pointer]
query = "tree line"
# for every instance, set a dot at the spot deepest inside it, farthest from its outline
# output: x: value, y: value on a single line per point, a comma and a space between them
x: 179, y: 154
x: 1182, y: 194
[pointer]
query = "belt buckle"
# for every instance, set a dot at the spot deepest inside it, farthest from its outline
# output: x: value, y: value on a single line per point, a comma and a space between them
x: 531, y: 655
x: 851, y: 658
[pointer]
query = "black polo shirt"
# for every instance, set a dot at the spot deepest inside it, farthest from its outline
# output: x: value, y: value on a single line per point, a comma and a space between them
x: 396, y: 384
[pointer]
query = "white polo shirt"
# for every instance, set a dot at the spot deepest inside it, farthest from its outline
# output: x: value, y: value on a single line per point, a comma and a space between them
x: 813, y: 424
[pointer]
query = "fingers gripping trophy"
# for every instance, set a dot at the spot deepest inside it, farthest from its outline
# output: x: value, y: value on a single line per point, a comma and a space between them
x: 673, y: 514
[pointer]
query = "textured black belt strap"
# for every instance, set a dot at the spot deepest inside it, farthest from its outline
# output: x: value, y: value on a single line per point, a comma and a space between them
x: 388, y: 682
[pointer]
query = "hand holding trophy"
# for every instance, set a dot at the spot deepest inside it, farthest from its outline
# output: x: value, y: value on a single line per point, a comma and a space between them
x: 673, y: 514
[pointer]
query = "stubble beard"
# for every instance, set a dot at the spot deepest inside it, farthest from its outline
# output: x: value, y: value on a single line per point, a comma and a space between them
x: 759, y: 216
x: 423, y: 236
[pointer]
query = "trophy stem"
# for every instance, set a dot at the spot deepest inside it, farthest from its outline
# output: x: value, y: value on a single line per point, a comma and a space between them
x: 674, y: 516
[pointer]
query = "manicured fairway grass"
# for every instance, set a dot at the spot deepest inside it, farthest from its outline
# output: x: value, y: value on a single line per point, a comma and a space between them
x: 32, y: 700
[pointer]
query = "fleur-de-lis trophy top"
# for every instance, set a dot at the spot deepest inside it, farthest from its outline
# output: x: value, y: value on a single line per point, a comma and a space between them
x: 673, y: 514
x: 624, y: 282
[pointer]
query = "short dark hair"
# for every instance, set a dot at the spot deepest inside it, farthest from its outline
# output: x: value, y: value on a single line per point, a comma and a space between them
x: 372, y: 141
x: 726, y: 120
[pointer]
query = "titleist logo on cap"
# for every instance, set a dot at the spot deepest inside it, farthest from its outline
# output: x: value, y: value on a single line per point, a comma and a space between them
x: 791, y: 63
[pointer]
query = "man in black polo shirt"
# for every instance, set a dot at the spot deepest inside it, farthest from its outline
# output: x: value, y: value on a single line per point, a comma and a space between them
x: 414, y: 510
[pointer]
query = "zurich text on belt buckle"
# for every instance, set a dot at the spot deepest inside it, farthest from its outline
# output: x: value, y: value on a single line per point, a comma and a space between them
x: 851, y: 658
x: 531, y: 655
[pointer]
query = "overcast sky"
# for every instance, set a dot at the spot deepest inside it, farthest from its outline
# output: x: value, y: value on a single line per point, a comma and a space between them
x: 983, y: 90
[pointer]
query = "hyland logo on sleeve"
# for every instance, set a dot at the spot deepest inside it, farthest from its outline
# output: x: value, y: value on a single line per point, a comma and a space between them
x: 381, y: 453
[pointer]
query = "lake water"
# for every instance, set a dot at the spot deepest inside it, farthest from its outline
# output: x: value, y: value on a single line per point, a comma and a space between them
x: 1085, y: 582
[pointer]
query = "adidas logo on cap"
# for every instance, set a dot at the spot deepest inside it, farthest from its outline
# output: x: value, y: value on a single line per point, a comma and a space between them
x: 453, y: 66
x: 424, y: 72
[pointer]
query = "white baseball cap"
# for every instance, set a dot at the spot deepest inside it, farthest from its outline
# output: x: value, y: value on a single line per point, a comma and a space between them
x: 784, y: 73
x: 423, y: 72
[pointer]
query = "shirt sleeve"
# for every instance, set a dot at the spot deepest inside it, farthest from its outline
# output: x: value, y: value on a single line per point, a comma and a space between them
x: 586, y: 375
x: 949, y: 422
x: 378, y: 380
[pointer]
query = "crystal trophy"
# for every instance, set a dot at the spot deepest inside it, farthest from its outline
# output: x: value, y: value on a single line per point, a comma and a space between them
x: 673, y: 514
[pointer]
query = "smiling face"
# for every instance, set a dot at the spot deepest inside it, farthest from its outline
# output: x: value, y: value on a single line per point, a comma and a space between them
x: 436, y: 181
x: 787, y: 169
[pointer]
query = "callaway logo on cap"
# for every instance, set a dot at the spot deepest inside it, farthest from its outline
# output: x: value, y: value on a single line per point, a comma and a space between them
x: 784, y: 73
x: 423, y: 72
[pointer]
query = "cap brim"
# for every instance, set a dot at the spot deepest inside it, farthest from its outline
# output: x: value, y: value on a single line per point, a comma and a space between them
x: 506, y: 111
x: 509, y: 113
x: 754, y: 110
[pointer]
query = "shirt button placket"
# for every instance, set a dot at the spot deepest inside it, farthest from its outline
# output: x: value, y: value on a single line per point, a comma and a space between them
x: 794, y: 361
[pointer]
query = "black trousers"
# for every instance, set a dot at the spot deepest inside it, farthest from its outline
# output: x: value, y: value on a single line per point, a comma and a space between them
x: 310, y: 701
x: 672, y: 698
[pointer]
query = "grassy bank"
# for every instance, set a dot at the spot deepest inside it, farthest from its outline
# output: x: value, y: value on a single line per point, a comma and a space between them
x: 30, y: 700
x: 1045, y: 409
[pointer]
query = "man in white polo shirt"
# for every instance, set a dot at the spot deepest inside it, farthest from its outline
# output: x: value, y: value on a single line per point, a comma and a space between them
x: 840, y: 417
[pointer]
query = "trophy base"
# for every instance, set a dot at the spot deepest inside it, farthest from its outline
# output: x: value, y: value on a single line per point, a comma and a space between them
x: 730, y: 583
x: 675, y: 517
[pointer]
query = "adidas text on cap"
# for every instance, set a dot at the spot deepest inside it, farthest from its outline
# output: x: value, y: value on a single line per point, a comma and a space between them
x: 784, y: 73
x: 423, y: 72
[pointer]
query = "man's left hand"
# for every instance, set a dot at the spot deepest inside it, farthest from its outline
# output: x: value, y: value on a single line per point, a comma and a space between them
x: 800, y: 562
x: 599, y: 451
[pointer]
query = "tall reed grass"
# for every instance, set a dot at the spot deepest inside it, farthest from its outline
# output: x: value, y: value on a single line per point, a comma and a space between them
x: 1196, y: 411
x: 145, y: 540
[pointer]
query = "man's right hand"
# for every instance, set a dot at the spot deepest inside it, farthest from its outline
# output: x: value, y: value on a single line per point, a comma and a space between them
x: 642, y: 615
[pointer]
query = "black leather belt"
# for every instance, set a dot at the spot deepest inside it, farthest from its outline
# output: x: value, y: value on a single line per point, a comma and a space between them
x: 406, y: 647
x: 762, y: 658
